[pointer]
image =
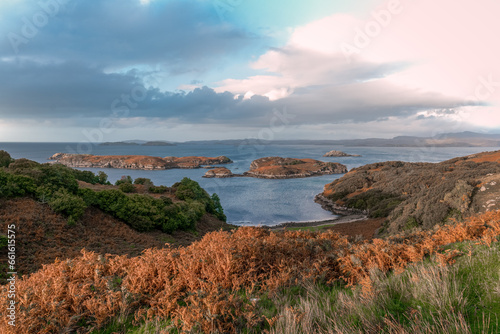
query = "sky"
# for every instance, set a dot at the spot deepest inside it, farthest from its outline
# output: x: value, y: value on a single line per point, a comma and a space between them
x: 181, y: 70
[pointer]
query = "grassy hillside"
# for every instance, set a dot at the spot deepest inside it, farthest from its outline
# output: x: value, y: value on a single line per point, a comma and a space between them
x: 419, y: 195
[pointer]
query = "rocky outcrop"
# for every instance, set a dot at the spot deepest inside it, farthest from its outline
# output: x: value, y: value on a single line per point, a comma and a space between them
x: 420, y: 195
x: 135, y: 161
x: 339, y: 154
x: 221, y: 172
x: 286, y: 168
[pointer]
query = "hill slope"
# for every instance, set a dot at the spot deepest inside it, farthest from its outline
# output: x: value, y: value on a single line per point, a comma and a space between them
x: 418, y: 194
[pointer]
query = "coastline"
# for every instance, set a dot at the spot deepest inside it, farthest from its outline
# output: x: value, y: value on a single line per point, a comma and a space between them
x: 339, y: 220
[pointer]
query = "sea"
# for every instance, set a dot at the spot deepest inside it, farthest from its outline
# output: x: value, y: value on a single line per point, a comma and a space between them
x: 249, y: 201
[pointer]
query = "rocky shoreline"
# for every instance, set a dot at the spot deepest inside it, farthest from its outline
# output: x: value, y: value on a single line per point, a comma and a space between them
x: 142, y: 162
x: 282, y: 168
x: 339, y: 220
x: 333, y: 207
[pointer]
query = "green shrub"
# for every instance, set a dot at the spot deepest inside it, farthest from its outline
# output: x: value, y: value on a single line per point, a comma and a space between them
x: 124, y: 179
x: 126, y: 187
x: 88, y: 195
x: 89, y: 177
x: 5, y: 159
x: 15, y: 185
x: 4, y: 241
x: 143, y: 181
x: 59, y: 176
x: 166, y: 200
x: 218, y: 211
x: 103, y: 178
x: 68, y: 204
x: 158, y: 189
x: 188, y: 189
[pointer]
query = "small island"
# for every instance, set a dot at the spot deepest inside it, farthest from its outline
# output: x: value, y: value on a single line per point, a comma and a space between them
x: 282, y: 168
x: 337, y: 154
x: 143, y: 162
x: 221, y: 172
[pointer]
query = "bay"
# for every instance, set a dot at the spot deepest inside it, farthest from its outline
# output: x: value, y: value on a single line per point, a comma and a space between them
x: 249, y: 201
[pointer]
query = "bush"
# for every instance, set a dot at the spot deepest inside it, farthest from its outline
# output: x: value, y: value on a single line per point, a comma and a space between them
x: 124, y: 179
x: 102, y: 178
x: 15, y: 185
x: 144, y: 181
x: 126, y: 187
x: 218, y: 211
x: 188, y: 189
x: 88, y: 195
x: 158, y: 189
x: 4, y: 241
x: 5, y: 159
x: 85, y: 176
x: 59, y: 176
x: 68, y: 204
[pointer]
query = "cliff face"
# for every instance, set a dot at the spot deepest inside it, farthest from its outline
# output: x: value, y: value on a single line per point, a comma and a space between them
x: 135, y: 161
x: 284, y: 168
x: 418, y: 194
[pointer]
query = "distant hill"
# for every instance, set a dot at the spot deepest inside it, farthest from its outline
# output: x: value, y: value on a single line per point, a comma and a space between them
x: 138, y: 143
x: 461, y: 139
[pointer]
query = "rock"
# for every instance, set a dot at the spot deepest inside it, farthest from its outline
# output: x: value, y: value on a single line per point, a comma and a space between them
x: 135, y: 161
x: 286, y: 168
x: 339, y: 154
x: 221, y: 172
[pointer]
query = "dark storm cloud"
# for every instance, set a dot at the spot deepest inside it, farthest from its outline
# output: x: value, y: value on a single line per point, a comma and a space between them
x: 117, y: 33
x: 69, y: 90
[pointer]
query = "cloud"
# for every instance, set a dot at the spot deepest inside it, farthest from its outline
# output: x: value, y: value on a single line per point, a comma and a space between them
x: 93, y: 57
x: 184, y: 35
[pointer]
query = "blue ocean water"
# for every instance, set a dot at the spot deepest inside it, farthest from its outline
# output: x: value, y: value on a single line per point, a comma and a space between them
x: 249, y: 200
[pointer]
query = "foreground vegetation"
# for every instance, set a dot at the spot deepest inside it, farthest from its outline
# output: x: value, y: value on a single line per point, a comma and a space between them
x: 244, y: 281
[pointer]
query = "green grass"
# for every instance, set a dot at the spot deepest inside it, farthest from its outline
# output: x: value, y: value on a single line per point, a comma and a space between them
x: 426, y: 298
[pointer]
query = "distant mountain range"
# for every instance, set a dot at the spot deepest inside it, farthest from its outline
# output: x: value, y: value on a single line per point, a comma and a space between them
x: 461, y: 139
x: 138, y: 143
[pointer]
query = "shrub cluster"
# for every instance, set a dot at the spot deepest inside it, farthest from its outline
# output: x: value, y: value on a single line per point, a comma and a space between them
x: 57, y: 185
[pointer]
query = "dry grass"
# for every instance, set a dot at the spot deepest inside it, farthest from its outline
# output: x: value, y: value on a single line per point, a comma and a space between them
x: 204, y: 287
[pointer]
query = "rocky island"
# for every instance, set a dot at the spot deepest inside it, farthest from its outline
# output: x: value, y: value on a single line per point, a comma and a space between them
x: 135, y: 161
x: 220, y: 172
x: 418, y: 195
x: 283, y: 168
x: 337, y: 154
